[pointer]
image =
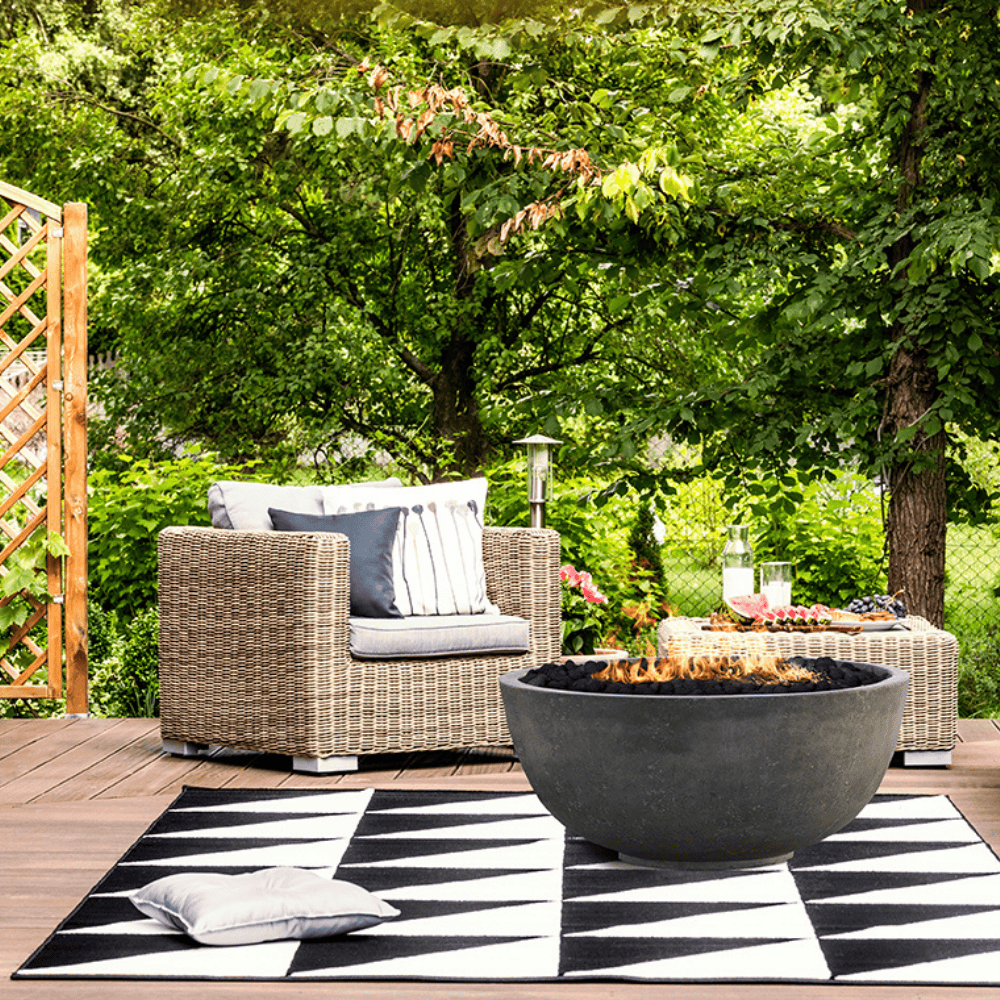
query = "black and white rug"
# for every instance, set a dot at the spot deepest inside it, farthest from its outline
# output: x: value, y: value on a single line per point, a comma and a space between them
x: 492, y: 888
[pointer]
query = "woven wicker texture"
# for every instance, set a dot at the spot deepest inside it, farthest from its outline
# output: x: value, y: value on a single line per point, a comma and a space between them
x: 255, y: 648
x: 930, y: 656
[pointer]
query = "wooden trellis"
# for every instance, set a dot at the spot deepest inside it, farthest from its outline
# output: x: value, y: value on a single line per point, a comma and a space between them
x: 43, y: 468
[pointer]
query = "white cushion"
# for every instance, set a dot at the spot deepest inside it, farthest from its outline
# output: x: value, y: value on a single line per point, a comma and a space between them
x: 422, y: 637
x: 267, y: 905
x: 437, y: 558
x: 243, y: 506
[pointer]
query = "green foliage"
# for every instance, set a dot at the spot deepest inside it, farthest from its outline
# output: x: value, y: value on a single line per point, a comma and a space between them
x: 25, y: 577
x: 597, y: 540
x: 694, y: 515
x: 293, y: 263
x: 645, y: 548
x: 594, y: 540
x: 128, y: 507
x: 123, y: 667
x: 830, y: 530
x: 32, y: 708
x: 979, y: 677
x: 584, y: 612
x: 124, y: 672
x: 778, y: 247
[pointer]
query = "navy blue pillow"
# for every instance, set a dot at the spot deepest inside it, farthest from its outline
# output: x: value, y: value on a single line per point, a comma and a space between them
x: 371, y: 534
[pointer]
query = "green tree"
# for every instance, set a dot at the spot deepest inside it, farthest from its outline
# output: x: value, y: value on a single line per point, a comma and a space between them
x: 298, y: 257
x: 291, y: 261
x: 843, y: 245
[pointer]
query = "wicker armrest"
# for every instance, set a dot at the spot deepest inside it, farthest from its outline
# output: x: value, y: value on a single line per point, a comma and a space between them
x: 251, y: 624
x: 522, y: 570
x: 246, y: 577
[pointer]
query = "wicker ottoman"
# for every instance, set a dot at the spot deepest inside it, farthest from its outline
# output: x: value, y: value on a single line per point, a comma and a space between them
x: 928, y: 732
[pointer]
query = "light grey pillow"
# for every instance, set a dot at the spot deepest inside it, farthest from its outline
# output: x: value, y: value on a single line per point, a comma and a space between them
x: 268, y: 905
x: 243, y: 506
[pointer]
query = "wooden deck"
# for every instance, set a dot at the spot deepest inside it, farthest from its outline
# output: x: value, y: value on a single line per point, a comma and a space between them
x: 75, y: 794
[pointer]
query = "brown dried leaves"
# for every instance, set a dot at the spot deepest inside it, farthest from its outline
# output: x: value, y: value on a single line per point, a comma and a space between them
x: 484, y: 133
x: 537, y: 213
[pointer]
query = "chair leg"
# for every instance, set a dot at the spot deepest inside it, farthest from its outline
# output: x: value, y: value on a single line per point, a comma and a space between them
x: 926, y: 758
x: 179, y: 748
x: 324, y: 765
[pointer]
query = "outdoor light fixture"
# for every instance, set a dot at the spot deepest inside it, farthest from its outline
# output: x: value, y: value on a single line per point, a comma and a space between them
x: 539, y: 475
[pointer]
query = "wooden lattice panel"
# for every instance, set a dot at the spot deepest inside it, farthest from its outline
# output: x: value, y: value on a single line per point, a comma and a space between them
x: 31, y: 463
x: 43, y: 449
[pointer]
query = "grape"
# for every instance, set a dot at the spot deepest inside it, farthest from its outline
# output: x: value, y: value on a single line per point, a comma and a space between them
x: 878, y: 602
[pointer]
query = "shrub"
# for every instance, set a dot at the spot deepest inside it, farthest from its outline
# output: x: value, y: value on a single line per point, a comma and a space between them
x: 979, y: 677
x: 123, y: 667
x: 593, y: 538
x: 128, y: 507
x: 830, y: 530
x: 124, y: 670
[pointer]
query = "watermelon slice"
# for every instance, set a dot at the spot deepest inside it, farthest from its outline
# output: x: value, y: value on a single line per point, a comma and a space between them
x: 796, y: 614
x: 746, y: 609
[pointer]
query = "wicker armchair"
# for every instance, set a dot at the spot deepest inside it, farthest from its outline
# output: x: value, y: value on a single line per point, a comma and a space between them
x: 928, y: 732
x: 254, y: 650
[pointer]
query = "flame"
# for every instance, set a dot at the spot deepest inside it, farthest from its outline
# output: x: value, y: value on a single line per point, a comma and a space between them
x: 686, y: 661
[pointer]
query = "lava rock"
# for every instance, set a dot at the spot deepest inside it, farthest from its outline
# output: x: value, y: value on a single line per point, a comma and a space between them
x: 832, y: 675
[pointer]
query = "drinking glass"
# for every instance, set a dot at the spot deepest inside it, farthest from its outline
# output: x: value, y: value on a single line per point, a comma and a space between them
x: 737, y: 563
x: 776, y: 583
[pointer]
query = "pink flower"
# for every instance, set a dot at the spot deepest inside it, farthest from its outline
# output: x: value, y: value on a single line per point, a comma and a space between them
x: 569, y: 575
x: 592, y: 594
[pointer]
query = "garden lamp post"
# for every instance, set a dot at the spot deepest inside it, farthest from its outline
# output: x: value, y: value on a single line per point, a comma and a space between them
x: 539, y: 475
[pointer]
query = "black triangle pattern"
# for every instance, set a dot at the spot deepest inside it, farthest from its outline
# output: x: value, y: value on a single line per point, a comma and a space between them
x: 491, y: 888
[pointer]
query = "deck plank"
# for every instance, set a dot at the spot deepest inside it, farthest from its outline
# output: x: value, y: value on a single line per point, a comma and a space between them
x: 61, y: 755
x: 978, y: 730
x: 85, y: 790
x: 14, y: 736
x: 132, y: 748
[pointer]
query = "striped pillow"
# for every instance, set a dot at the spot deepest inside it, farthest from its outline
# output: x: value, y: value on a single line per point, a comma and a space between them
x: 437, y: 556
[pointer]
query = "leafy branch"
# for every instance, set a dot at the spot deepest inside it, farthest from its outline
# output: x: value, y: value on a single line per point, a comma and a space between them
x: 24, y: 587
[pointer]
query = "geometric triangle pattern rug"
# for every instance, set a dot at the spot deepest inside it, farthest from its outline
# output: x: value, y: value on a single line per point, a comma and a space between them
x: 490, y: 887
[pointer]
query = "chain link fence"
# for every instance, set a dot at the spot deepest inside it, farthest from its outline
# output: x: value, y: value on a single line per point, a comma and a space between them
x: 691, y: 527
x: 972, y: 575
x: 693, y: 574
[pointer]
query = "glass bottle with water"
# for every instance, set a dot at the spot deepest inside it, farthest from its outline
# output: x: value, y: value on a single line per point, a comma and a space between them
x: 737, y: 563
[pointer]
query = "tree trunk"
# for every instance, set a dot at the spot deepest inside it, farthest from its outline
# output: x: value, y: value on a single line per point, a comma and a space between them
x: 455, y: 410
x: 917, y: 522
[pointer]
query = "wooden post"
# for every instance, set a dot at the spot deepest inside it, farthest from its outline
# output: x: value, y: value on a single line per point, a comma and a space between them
x: 75, y: 467
x: 53, y: 448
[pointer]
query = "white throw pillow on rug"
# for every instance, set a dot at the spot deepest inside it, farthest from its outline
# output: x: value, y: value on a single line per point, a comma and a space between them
x: 437, y: 558
x: 269, y: 905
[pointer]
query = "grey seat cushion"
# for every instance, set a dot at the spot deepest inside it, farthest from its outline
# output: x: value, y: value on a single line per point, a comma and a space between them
x: 425, y: 636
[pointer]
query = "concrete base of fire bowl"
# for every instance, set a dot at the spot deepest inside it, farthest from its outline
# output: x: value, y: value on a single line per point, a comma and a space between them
x: 729, y: 781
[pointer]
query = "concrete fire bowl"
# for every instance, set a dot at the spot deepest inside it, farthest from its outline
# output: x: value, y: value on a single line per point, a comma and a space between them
x: 728, y: 781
